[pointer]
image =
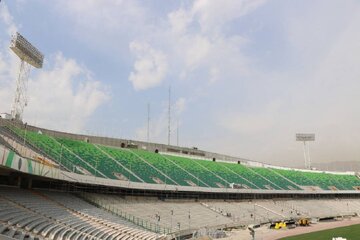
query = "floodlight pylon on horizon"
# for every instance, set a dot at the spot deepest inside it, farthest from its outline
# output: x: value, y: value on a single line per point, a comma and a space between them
x: 305, y: 138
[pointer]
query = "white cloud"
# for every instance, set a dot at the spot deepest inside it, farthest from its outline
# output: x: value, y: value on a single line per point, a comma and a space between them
x: 158, y: 128
x: 196, y: 56
x: 106, y: 27
x: 322, y: 99
x: 210, y: 50
x: 172, y: 46
x: 9, y: 63
x: 180, y: 105
x: 179, y: 20
x: 102, y: 15
x: 7, y: 19
x: 197, y: 49
x: 64, y: 96
x: 159, y: 123
x: 213, y: 15
x: 150, y: 66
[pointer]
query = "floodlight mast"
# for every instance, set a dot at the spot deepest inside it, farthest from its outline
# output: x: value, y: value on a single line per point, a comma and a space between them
x: 29, y: 56
x: 21, y: 100
x: 305, y: 138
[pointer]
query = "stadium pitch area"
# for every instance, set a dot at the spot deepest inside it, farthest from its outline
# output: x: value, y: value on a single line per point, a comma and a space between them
x: 349, y: 233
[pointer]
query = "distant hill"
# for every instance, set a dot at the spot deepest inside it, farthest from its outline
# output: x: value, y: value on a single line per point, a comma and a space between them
x: 338, y: 166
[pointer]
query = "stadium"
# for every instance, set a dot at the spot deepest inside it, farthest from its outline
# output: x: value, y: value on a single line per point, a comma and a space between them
x: 58, y: 185
x: 62, y: 185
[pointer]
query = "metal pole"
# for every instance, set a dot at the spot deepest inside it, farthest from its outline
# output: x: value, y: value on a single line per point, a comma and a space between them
x: 169, y: 116
x: 308, y: 154
x: 24, y: 149
x: 305, y: 157
x: 96, y: 166
x: 61, y: 154
x: 148, y: 123
x: 177, y: 133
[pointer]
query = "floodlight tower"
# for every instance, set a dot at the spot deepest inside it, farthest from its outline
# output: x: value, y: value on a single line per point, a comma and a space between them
x: 29, y: 56
x: 306, y: 137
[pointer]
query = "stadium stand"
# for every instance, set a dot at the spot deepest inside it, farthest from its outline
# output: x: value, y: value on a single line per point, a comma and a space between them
x: 323, y: 180
x: 4, y: 143
x: 45, y: 214
x: 143, y: 166
x: 185, y: 214
x: 29, y: 214
x: 160, y: 195
x: 99, y: 160
x: 139, y: 166
x: 55, y: 151
x: 271, y: 176
x: 175, y: 215
x: 180, y: 175
x: 199, y: 171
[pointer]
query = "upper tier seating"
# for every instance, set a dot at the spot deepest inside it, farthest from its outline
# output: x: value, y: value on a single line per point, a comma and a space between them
x: 55, y: 150
x: 137, y: 165
x: 177, y: 173
x: 325, y: 181
x: 276, y: 178
x: 144, y: 166
x: 100, y: 161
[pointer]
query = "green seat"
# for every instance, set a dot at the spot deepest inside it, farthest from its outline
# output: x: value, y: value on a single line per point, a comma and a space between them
x: 98, y: 159
x: 140, y: 165
x: 170, y: 168
x: 251, y: 176
x: 198, y: 170
x: 325, y: 181
x: 137, y: 165
x: 272, y: 176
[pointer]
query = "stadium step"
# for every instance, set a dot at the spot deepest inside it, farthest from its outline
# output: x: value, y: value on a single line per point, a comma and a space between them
x: 173, y: 162
x: 269, y: 210
x: 145, y: 161
x: 117, y: 162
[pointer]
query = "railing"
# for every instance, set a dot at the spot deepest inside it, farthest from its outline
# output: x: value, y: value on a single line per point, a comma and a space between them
x: 21, y: 137
x: 154, y: 227
x: 9, y: 127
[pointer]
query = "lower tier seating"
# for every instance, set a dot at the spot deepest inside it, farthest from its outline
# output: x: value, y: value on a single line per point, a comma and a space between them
x: 195, y: 214
x: 27, y: 214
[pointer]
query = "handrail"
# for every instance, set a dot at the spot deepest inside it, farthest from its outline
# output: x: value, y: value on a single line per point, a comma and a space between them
x: 35, y: 148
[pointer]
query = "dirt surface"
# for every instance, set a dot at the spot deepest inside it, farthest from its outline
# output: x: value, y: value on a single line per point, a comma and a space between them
x: 264, y: 233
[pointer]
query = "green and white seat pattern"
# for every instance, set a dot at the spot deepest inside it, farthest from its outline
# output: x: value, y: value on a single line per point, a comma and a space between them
x: 144, y: 166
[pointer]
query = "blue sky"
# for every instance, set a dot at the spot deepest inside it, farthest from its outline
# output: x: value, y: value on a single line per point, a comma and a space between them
x: 246, y: 75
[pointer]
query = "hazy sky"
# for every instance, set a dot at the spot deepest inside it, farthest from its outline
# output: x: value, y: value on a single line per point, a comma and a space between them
x: 246, y: 75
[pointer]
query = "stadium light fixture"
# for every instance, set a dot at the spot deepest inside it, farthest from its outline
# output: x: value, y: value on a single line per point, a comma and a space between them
x: 306, y: 137
x: 29, y: 56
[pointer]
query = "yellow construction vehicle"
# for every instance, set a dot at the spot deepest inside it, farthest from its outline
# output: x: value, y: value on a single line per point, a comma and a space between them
x: 304, y: 222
